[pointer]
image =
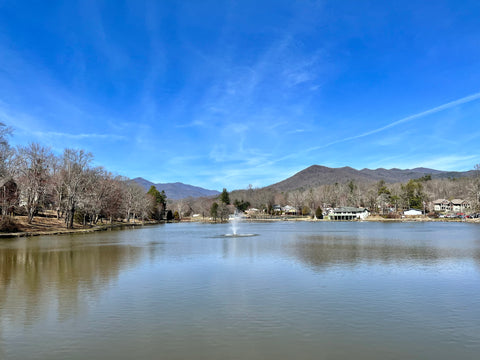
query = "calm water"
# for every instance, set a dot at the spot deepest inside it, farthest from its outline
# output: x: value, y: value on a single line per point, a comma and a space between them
x: 294, y: 291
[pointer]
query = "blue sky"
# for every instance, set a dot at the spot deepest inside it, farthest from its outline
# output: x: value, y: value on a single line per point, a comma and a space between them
x: 231, y: 93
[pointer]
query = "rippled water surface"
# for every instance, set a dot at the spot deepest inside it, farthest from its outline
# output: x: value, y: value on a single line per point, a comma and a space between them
x: 294, y: 291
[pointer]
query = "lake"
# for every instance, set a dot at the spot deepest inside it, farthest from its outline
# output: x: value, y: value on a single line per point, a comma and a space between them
x: 296, y: 290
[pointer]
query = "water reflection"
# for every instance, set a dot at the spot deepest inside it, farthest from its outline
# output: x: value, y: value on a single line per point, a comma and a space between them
x: 326, y: 250
x: 41, y: 275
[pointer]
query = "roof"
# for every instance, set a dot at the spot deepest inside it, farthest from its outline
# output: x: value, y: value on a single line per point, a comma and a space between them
x: 349, y: 209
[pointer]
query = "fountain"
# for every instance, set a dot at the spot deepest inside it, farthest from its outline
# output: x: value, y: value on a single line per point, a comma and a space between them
x: 234, y: 221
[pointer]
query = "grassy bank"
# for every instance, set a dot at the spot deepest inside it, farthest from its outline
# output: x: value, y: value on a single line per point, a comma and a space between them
x: 49, y: 225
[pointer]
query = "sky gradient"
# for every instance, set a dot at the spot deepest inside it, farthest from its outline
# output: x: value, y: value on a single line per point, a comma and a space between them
x: 231, y: 93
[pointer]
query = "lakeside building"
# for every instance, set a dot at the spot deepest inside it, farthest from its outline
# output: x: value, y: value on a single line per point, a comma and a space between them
x: 459, y: 205
x: 289, y: 210
x: 456, y: 205
x: 285, y: 210
x: 442, y: 205
x: 412, y: 212
x: 251, y: 211
x: 349, y: 213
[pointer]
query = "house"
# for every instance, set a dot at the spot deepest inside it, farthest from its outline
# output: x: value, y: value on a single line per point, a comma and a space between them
x: 442, y: 205
x: 459, y: 205
x: 412, y: 212
x: 349, y: 213
x: 252, y: 211
x: 277, y: 209
x: 289, y: 210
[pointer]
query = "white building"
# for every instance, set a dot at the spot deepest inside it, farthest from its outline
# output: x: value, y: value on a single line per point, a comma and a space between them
x: 349, y: 213
x: 412, y: 212
x: 442, y: 205
x: 459, y: 205
x: 456, y: 205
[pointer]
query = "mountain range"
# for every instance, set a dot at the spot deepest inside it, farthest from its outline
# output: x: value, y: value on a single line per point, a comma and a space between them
x: 178, y: 190
x: 312, y: 176
x: 321, y: 175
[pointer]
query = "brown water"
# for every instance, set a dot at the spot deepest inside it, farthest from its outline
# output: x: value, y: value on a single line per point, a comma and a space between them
x: 294, y: 291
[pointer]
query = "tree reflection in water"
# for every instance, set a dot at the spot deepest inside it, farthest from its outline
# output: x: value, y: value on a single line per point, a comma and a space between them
x: 37, y: 275
x: 327, y: 250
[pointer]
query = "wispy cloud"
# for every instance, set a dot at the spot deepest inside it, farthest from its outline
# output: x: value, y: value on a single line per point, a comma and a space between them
x: 296, y: 131
x: 446, y: 106
x: 49, y: 134
x: 449, y: 162
x: 419, y: 115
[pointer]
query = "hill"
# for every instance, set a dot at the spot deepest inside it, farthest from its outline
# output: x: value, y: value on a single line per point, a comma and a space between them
x: 321, y: 175
x: 178, y: 190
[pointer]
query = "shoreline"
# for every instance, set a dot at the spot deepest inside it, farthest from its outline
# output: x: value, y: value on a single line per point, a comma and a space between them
x: 120, y: 226
x: 369, y: 219
x: 83, y: 230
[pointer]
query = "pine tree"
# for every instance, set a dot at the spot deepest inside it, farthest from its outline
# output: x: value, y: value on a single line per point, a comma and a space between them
x: 225, y: 197
x: 214, y: 211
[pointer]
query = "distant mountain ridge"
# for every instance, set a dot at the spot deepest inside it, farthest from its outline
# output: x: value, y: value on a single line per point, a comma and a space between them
x: 178, y: 190
x: 321, y: 175
x: 314, y: 175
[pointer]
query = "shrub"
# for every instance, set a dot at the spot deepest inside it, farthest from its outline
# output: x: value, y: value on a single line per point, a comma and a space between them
x: 8, y: 225
x: 176, y: 215
x: 305, y: 210
x: 392, y: 215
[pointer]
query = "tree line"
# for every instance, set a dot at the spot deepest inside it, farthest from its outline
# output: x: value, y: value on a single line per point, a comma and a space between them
x: 33, y: 179
x: 379, y: 197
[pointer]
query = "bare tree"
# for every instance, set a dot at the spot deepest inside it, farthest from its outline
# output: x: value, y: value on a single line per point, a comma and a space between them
x: 296, y: 198
x: 113, y: 201
x: 32, y: 164
x: 475, y: 188
x: 223, y: 211
x: 133, y: 200
x: 75, y: 163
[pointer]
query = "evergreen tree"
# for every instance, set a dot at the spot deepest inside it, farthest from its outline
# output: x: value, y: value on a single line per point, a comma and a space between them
x: 225, y: 197
x: 160, y: 197
x: 214, y: 211
x: 413, y: 194
x: 241, y: 205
